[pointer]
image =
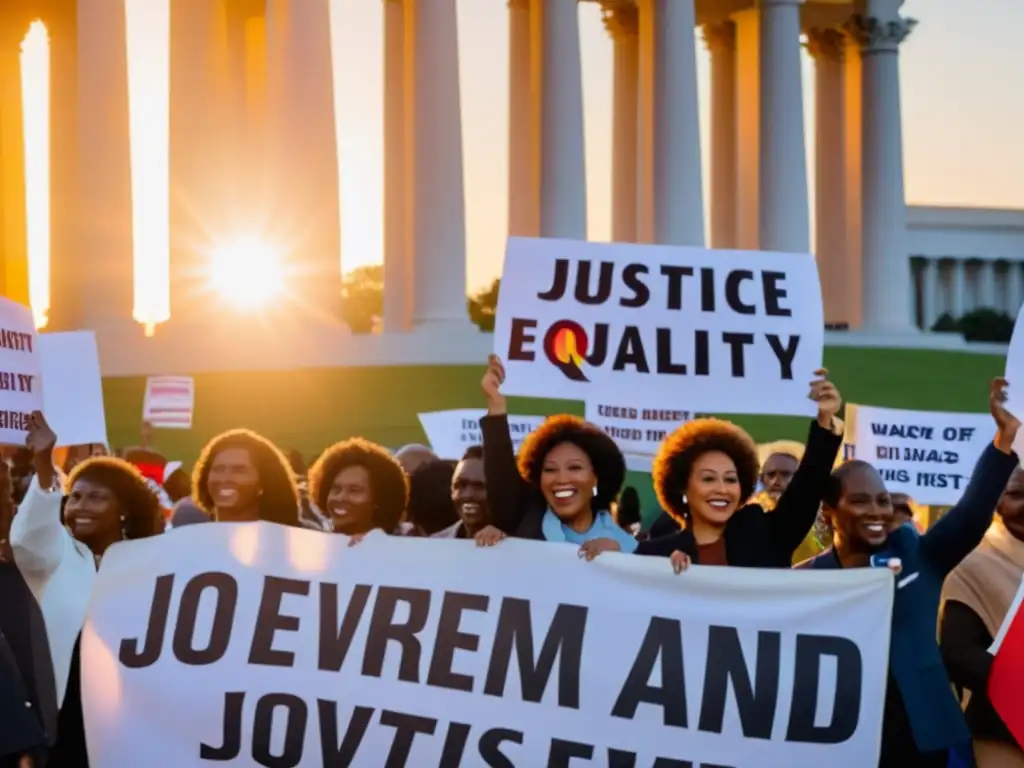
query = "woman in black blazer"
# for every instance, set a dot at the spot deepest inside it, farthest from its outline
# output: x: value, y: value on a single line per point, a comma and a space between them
x: 707, y: 470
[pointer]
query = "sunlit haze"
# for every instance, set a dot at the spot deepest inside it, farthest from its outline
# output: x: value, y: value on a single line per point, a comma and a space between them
x: 961, y: 72
x: 248, y: 273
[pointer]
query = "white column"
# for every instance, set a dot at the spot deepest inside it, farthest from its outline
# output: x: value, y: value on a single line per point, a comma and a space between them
x: 826, y: 46
x: 523, y: 204
x: 959, y: 292
x: 987, y: 284
x: 929, y: 292
x: 623, y: 25
x: 886, y: 266
x: 397, y: 263
x: 1014, y: 288
x: 783, y: 220
x: 438, y: 215
x: 104, y: 215
x: 557, y: 70
x: 721, y: 44
x: 671, y: 195
x: 305, y: 149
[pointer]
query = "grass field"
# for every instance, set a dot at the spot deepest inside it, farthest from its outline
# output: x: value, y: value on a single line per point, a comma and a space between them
x: 308, y: 410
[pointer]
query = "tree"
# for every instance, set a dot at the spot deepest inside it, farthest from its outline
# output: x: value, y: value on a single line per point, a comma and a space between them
x: 483, y: 305
x: 362, y: 292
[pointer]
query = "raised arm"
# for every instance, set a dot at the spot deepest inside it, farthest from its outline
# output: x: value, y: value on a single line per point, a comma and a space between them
x: 39, y: 540
x: 507, y: 492
x: 797, y: 509
x: 960, y: 530
x: 964, y: 641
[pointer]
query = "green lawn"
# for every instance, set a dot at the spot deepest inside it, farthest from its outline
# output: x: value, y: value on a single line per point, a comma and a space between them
x: 310, y: 409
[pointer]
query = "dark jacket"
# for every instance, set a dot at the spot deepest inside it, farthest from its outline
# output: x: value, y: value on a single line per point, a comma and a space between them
x: 28, y: 693
x: 516, y: 508
x: 70, y: 749
x: 758, y: 539
x: 915, y: 664
x: 964, y: 641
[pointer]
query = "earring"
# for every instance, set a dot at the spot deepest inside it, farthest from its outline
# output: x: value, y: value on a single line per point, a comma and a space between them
x: 595, y: 490
x: 685, y: 501
x: 124, y: 531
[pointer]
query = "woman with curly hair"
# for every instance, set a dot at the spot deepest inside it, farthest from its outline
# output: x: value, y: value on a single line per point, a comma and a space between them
x: 242, y: 477
x: 568, y: 474
x: 705, y: 474
x: 108, y: 500
x: 360, y: 487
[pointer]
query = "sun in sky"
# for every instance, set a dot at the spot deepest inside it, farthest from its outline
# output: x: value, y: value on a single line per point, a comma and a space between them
x: 248, y: 273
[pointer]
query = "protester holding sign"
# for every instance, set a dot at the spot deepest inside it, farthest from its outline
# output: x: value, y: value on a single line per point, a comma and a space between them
x: 108, y: 499
x: 977, y: 596
x: 360, y: 486
x: 708, y: 468
x: 923, y: 720
x: 242, y: 477
x: 569, y: 473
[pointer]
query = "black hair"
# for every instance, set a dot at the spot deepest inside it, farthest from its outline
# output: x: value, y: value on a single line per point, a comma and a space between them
x: 430, y: 496
x: 279, y: 502
x: 388, y: 483
x: 837, y: 480
x: 138, y: 501
x: 605, y: 456
x: 628, y: 511
x: 474, y: 452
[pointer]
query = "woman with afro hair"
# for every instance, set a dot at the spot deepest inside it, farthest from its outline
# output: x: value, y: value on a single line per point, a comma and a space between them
x: 705, y: 474
x: 568, y: 475
x: 242, y: 477
x: 360, y: 487
x: 108, y: 500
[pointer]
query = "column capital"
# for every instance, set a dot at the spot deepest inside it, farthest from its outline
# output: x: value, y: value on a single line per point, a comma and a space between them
x: 719, y: 36
x: 828, y: 43
x: 874, y: 34
x: 621, y: 19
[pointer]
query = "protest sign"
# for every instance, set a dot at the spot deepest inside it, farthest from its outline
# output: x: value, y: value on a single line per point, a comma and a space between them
x: 637, y: 430
x: 722, y: 331
x: 73, y: 387
x: 169, y: 402
x: 450, y: 433
x: 21, y: 381
x: 260, y: 644
x: 928, y: 455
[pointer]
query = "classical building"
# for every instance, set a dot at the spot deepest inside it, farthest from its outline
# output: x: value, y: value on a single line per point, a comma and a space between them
x: 250, y: 126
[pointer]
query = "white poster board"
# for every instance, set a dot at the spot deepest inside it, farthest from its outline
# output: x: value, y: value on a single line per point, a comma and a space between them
x: 722, y: 331
x: 450, y: 433
x: 21, y: 380
x: 929, y: 455
x: 636, y: 428
x: 73, y: 392
x: 169, y: 402
x: 257, y: 644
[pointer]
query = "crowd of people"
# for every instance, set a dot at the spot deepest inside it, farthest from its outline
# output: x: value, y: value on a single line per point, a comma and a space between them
x: 724, y: 502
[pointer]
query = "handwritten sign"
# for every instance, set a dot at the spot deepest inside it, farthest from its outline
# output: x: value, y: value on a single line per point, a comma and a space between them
x: 21, y: 389
x: 170, y: 402
x: 927, y: 454
x: 636, y: 429
x: 450, y: 433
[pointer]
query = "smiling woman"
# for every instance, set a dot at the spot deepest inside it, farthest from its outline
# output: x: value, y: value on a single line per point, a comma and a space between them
x: 248, y: 274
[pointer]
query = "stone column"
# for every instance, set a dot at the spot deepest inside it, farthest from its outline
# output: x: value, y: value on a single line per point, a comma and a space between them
x: 959, y: 289
x: 721, y: 44
x: 748, y: 119
x: 783, y: 220
x: 558, y: 89
x: 438, y: 215
x: 929, y: 292
x: 879, y: 30
x: 826, y: 47
x: 398, y: 276
x: 671, y: 195
x: 623, y: 25
x: 13, y: 242
x: 200, y: 150
x: 523, y: 202
x: 305, y: 151
x: 1014, y: 287
x: 987, y: 284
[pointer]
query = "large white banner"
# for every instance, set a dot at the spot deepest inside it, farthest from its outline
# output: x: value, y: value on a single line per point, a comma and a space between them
x: 928, y: 455
x: 722, y: 331
x: 252, y: 644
